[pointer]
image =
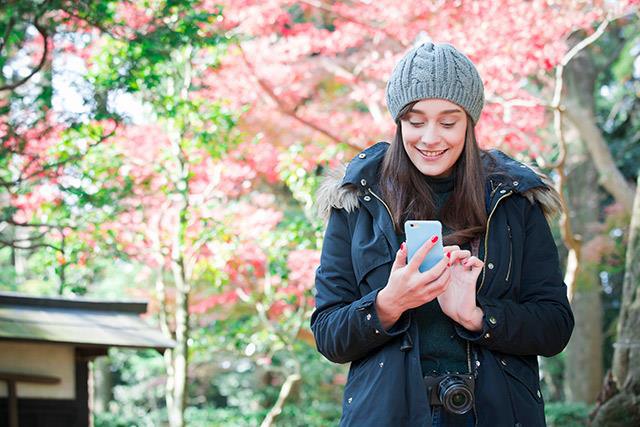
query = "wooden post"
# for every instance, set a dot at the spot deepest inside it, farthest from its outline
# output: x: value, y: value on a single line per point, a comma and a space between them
x: 12, y: 379
x: 13, y: 404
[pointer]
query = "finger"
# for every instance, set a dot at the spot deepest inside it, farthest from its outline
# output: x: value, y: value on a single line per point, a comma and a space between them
x: 418, y: 257
x: 438, y: 286
x: 459, y: 255
x: 401, y: 258
x: 473, y: 262
x: 451, y: 248
x: 434, y: 272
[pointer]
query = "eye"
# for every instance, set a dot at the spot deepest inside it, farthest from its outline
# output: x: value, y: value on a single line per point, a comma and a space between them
x: 416, y: 124
x: 449, y: 125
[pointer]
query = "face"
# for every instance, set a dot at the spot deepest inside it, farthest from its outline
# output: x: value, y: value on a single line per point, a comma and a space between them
x: 433, y: 134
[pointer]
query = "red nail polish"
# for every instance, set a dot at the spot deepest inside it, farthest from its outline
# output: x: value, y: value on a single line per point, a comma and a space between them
x: 448, y: 254
x: 434, y: 239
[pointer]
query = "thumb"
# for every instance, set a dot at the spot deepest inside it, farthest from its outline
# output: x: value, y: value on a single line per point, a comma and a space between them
x: 401, y: 258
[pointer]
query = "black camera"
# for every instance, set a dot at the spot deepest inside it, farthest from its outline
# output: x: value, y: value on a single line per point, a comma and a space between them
x: 453, y: 391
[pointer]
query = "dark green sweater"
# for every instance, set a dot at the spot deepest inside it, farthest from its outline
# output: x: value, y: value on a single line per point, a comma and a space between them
x: 441, y: 349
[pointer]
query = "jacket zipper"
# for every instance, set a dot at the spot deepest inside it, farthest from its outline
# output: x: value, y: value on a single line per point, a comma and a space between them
x: 475, y: 413
x: 510, y: 252
x: 486, y: 237
x: 381, y: 201
x: 486, y: 252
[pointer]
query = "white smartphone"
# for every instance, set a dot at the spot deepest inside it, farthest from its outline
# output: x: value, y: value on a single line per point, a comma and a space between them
x: 418, y: 232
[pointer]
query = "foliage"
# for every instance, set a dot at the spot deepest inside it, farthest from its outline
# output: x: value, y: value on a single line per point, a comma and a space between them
x: 617, y: 104
x: 199, y: 136
x: 562, y: 414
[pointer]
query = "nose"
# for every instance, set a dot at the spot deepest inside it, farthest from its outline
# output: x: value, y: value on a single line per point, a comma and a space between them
x: 430, y: 135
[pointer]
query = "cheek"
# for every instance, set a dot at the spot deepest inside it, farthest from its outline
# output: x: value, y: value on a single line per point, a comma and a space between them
x: 458, y: 140
x: 408, y: 134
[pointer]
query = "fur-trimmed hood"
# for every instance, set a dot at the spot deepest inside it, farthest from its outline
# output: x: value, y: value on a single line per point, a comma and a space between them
x: 343, y: 184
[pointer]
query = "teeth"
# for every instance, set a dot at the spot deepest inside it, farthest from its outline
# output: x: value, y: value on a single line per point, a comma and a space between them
x: 432, y: 153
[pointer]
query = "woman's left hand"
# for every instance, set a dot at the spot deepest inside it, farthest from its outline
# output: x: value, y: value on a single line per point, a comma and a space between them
x: 458, y: 301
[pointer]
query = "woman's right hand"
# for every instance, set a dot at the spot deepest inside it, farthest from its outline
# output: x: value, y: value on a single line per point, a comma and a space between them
x: 408, y: 287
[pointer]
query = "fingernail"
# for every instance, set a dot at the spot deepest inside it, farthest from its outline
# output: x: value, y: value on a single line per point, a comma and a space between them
x: 434, y: 239
x: 402, y: 246
x: 448, y: 254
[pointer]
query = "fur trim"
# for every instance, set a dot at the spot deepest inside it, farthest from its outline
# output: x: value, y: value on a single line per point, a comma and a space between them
x: 547, y: 196
x: 331, y: 193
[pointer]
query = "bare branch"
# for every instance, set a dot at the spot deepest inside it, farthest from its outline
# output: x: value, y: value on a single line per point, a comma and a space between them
x: 43, y: 60
x: 4, y: 243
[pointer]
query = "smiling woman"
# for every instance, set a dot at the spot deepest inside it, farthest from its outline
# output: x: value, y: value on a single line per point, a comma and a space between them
x: 433, y: 132
x: 454, y: 345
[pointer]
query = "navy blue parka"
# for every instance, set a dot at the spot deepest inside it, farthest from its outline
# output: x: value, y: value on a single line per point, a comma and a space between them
x: 520, y: 291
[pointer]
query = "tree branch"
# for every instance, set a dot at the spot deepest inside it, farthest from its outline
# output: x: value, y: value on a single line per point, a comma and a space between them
x: 286, y: 110
x: 282, y: 397
x: 43, y: 60
x: 36, y: 224
x: 582, y: 117
x: 327, y: 8
x: 5, y: 243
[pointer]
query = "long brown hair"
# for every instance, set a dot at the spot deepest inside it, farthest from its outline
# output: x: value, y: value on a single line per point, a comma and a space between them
x: 409, y: 196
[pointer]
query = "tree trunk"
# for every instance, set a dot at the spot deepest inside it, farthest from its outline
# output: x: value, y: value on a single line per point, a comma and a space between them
x: 621, y: 403
x: 181, y: 281
x: 583, y: 373
x: 102, y: 384
x: 583, y: 369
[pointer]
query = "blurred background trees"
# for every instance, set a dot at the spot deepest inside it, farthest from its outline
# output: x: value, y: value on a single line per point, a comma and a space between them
x: 171, y: 149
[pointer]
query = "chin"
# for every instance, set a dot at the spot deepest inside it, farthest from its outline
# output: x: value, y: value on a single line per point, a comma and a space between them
x: 435, y: 173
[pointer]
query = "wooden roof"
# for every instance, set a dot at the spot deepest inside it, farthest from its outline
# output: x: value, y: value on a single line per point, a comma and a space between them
x: 81, y: 321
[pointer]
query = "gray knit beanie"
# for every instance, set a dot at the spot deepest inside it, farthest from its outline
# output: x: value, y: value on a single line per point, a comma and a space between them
x: 435, y: 71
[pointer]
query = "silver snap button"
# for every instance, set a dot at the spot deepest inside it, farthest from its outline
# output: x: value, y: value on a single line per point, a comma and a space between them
x: 487, y: 335
x: 349, y: 400
x: 477, y: 363
x: 369, y: 316
x: 515, y: 183
x: 381, y: 364
x: 539, y: 394
x: 503, y: 191
x: 490, y: 265
x: 367, y: 198
x: 492, y: 320
x: 362, y: 155
x: 377, y: 332
x: 363, y: 182
x: 503, y: 362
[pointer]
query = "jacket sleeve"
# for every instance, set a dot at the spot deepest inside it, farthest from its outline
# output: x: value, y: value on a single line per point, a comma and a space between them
x: 345, y: 324
x: 541, y: 322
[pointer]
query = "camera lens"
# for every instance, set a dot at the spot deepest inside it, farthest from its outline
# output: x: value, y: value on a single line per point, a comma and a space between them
x: 455, y: 395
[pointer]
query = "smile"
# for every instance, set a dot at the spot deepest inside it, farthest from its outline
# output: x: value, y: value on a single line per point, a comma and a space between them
x: 432, y: 154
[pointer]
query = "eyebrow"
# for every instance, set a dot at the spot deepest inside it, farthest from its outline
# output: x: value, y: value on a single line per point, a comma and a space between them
x: 456, y: 110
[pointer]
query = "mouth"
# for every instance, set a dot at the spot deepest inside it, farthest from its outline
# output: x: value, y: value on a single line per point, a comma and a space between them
x: 432, y: 155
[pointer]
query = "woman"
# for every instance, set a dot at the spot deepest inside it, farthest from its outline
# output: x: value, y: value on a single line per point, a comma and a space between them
x: 457, y: 344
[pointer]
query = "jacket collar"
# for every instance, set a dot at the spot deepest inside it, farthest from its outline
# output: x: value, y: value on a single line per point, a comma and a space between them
x: 342, y: 186
x: 366, y: 165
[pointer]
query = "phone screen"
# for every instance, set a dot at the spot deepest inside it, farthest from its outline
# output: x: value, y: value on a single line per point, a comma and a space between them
x: 418, y: 232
